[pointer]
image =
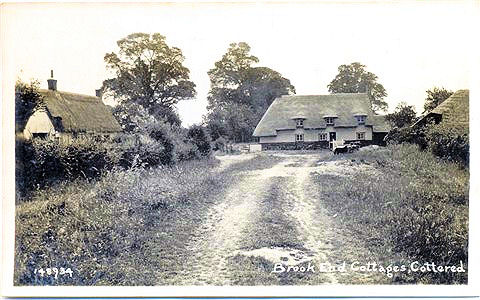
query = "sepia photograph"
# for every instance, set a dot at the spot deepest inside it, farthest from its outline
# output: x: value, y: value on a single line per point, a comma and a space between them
x: 221, y: 144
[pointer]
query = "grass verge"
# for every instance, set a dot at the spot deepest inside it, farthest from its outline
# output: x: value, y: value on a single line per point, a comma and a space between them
x: 415, y: 204
x: 127, y: 228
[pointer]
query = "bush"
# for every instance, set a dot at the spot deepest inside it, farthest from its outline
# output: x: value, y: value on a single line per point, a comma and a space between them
x: 166, y: 135
x: 139, y: 150
x: 445, y: 142
x: 199, y: 137
x: 220, y: 144
x: 179, y: 145
x: 38, y: 165
x: 51, y: 161
x: 85, y: 158
x: 186, y: 151
x: 449, y: 143
x: 411, y: 135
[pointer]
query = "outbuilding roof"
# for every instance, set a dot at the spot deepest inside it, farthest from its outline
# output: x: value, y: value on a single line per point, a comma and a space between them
x: 454, y: 111
x: 314, y: 108
x: 79, y: 113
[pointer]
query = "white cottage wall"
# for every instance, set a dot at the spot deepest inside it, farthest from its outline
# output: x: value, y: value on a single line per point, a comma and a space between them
x: 39, y: 122
x: 347, y: 134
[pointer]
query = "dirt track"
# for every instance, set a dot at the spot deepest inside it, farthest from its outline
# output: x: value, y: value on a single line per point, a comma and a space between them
x: 269, y: 216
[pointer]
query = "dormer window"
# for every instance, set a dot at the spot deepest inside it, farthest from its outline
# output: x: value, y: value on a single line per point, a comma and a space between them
x: 361, y: 119
x: 299, y: 123
x: 329, y: 120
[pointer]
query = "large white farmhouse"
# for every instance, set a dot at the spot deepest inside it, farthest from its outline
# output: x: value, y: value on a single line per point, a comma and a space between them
x: 296, y: 122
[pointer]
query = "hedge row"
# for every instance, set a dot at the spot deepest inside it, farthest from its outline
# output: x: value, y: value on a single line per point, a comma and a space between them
x: 449, y: 143
x: 42, y: 163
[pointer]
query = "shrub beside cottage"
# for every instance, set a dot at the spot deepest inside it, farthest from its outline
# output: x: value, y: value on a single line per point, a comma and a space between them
x: 444, y: 131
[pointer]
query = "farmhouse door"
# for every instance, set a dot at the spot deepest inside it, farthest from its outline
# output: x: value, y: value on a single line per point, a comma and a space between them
x: 333, y: 137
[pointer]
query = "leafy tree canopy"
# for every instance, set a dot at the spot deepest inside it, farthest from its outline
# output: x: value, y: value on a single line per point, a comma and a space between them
x: 435, y: 96
x: 229, y: 70
x: 354, y: 78
x: 241, y: 93
x: 404, y: 115
x: 150, y: 74
x: 27, y: 101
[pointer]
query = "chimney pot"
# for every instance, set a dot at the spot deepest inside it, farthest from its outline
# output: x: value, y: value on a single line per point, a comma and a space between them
x: 52, y: 83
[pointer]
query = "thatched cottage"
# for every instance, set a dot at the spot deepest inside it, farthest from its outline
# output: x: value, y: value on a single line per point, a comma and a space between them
x: 68, y: 115
x: 295, y: 122
x: 453, y: 112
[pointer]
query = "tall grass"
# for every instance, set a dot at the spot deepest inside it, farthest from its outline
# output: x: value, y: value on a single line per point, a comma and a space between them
x: 130, y: 227
x: 112, y: 231
x: 416, y: 205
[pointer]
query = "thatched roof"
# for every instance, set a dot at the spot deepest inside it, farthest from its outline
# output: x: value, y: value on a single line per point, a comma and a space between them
x: 454, y: 111
x: 281, y: 113
x: 79, y: 113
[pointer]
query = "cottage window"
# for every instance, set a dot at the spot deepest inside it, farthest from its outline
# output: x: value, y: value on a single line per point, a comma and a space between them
x: 299, y: 137
x: 299, y: 123
x: 322, y: 136
x: 329, y: 120
x: 360, y: 135
x: 361, y: 119
x: 39, y: 135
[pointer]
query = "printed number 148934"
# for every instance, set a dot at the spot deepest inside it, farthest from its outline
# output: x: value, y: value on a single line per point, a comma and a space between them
x: 53, y: 272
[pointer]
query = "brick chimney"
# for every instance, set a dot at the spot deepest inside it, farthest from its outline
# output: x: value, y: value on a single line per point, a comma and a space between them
x: 52, y: 83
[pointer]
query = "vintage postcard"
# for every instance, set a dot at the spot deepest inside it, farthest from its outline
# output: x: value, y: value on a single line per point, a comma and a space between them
x: 239, y: 148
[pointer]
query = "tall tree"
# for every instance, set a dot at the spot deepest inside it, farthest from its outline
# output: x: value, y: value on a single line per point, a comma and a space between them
x: 354, y: 78
x: 241, y: 93
x: 404, y: 115
x: 435, y: 96
x: 148, y: 74
x: 228, y: 71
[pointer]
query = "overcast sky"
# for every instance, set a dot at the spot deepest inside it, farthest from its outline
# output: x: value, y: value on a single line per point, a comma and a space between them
x: 410, y: 46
